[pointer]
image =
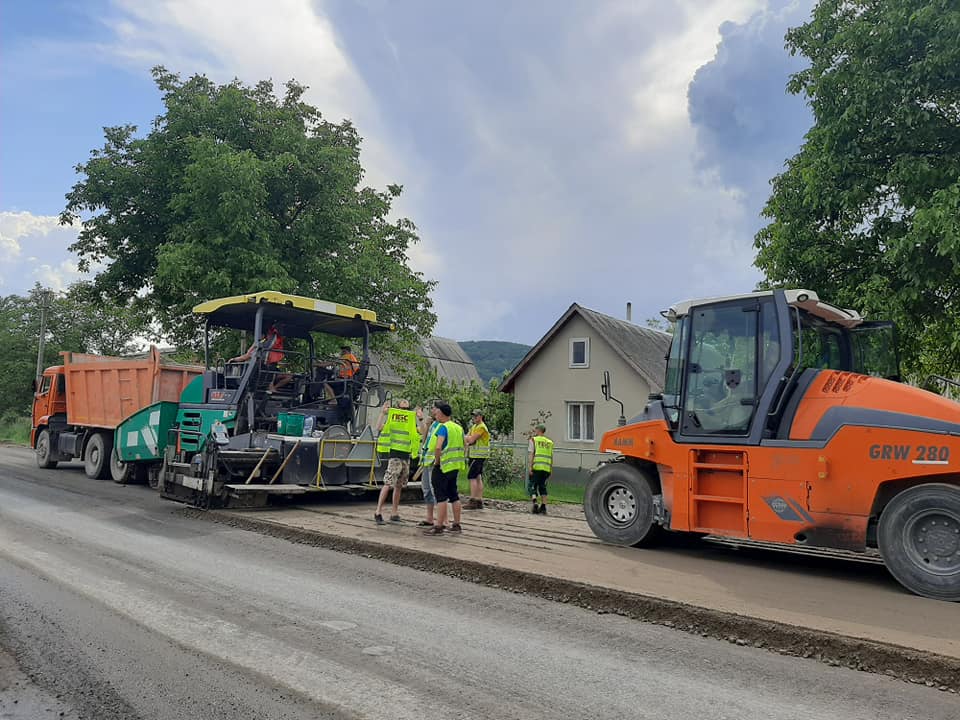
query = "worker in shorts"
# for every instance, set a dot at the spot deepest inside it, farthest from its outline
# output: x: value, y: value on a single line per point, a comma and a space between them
x: 540, y: 460
x: 478, y: 450
x: 399, y: 437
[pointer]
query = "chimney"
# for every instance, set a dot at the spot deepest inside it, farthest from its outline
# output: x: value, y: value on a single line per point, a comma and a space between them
x: 629, y: 312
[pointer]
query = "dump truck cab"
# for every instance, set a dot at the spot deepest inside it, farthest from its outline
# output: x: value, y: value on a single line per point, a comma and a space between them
x: 783, y: 419
x: 230, y: 425
x: 49, y: 402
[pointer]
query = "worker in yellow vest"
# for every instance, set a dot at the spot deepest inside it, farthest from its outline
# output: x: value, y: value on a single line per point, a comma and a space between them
x: 449, y: 458
x: 399, y: 438
x: 540, y: 460
x: 478, y: 450
x: 428, y: 432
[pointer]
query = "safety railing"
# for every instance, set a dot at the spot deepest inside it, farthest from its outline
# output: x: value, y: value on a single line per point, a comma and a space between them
x: 347, y: 461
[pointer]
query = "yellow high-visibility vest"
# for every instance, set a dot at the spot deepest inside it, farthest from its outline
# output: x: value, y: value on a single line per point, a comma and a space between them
x: 542, y: 453
x: 430, y: 445
x: 481, y: 448
x: 383, y: 440
x: 399, y: 432
x: 452, y: 456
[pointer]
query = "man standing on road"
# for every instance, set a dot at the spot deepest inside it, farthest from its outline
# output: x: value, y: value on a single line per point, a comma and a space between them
x: 448, y: 460
x: 478, y: 450
x: 428, y: 431
x: 540, y: 459
x: 398, y: 432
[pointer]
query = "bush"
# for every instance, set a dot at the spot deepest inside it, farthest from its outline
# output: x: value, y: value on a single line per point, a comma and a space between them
x: 501, y: 468
x: 15, y: 428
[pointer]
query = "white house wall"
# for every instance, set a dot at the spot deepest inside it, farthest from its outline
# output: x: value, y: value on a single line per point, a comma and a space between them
x: 549, y: 383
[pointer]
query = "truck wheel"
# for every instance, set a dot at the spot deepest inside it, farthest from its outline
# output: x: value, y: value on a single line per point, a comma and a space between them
x: 96, y: 458
x: 618, y: 503
x: 919, y: 539
x: 153, y: 476
x: 120, y: 471
x: 44, y: 451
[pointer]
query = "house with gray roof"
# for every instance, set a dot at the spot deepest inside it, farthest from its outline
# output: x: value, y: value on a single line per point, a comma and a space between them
x: 561, y: 377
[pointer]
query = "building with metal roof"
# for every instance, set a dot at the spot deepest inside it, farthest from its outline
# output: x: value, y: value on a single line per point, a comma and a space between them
x: 559, y: 379
x: 444, y: 355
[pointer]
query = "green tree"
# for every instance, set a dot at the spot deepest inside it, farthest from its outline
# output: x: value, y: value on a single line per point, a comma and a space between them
x: 660, y: 324
x: 235, y: 190
x: 868, y: 212
x: 19, y: 331
x: 493, y: 357
x: 422, y: 385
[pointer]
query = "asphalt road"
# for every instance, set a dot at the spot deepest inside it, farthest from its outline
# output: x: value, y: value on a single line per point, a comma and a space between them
x: 114, y: 605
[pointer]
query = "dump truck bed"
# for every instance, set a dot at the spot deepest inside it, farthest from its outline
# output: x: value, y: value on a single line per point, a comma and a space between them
x: 103, y: 390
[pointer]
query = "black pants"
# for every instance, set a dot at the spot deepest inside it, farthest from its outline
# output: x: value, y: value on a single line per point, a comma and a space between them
x: 537, y: 483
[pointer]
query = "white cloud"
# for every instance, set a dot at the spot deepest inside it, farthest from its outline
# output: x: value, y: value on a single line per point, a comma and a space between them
x: 16, y: 225
x: 664, y: 70
x: 602, y: 118
x: 9, y: 249
x: 49, y: 261
x: 240, y: 38
x: 57, y: 277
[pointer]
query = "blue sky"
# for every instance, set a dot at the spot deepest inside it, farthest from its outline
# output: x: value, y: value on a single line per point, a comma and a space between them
x: 551, y: 152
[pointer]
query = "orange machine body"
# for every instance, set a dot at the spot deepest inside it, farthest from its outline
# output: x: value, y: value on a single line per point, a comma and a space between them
x: 853, y: 442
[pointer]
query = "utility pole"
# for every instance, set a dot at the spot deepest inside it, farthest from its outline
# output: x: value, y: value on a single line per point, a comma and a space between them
x: 44, y: 305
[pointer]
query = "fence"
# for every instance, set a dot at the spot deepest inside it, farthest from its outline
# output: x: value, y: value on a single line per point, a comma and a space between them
x: 570, y: 465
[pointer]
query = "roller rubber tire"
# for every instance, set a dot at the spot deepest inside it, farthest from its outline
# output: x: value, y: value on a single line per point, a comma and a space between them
x: 618, y: 504
x: 919, y: 539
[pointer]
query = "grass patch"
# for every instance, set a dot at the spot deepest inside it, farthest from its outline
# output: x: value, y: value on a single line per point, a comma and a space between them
x: 557, y: 492
x: 15, y: 430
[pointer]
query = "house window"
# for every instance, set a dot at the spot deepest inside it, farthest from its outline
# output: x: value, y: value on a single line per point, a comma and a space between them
x: 580, y: 421
x: 579, y: 352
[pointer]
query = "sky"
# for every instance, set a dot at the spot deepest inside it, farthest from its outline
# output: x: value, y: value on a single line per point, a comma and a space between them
x: 551, y: 152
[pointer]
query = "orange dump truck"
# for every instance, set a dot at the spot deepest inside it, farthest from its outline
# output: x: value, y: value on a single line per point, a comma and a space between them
x: 79, y: 404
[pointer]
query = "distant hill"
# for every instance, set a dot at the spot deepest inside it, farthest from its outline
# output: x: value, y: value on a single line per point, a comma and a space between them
x: 492, y: 357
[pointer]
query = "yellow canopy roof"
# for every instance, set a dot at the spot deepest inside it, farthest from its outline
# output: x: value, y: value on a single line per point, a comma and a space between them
x: 297, y: 315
